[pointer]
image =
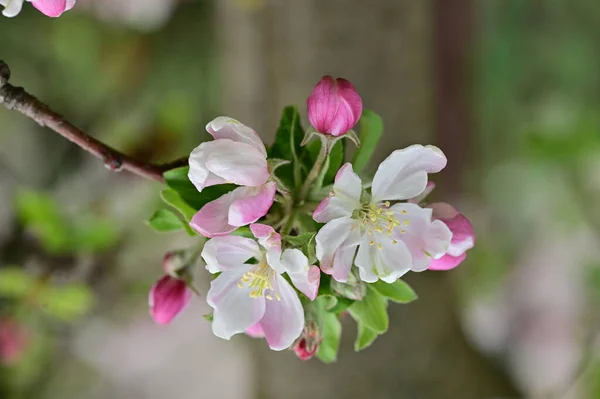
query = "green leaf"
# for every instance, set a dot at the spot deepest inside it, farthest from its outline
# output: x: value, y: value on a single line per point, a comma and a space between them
x: 208, y: 317
x: 365, y: 337
x: 15, y: 283
x: 68, y: 302
x: 332, y: 332
x: 166, y: 221
x: 172, y: 198
x: 340, y: 305
x: 287, y: 146
x: 177, y: 179
x: 398, y: 291
x: 372, y: 311
x: 300, y: 240
x: 371, y: 129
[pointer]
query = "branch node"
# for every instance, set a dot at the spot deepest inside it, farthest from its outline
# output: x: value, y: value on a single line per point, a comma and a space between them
x: 113, y: 163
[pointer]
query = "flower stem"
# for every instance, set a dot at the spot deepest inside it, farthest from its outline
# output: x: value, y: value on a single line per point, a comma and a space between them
x: 316, y: 169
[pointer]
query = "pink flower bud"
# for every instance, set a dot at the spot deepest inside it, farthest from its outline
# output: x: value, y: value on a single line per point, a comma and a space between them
x: 306, y: 346
x: 334, y: 106
x: 13, y: 341
x: 167, y: 298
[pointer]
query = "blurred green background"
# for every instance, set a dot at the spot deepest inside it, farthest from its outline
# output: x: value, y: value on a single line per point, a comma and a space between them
x: 509, y: 89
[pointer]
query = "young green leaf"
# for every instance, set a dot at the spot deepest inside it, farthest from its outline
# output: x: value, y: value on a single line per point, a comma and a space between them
x: 332, y: 332
x: 398, y: 291
x: 287, y: 146
x: 365, y: 337
x: 166, y: 221
x: 372, y: 311
x: 172, y: 198
x: 371, y: 129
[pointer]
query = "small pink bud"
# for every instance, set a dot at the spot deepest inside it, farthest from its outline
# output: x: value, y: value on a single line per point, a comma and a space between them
x: 306, y: 346
x: 13, y: 341
x: 167, y: 299
x: 334, y: 106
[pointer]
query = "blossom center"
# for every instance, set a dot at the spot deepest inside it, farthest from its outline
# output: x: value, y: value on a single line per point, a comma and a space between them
x: 377, y: 218
x: 260, y: 280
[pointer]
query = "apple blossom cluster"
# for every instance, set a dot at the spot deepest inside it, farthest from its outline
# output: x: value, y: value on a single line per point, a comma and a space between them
x: 51, y: 8
x: 295, y: 237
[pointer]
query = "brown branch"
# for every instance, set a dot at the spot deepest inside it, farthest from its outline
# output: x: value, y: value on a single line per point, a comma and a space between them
x: 16, y: 98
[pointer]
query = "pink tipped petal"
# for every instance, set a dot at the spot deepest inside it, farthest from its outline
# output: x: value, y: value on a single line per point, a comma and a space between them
x: 168, y: 297
x: 403, y: 174
x: 199, y: 174
x: 212, y: 219
x: 237, y: 163
x: 225, y: 127
x: 334, y: 106
x: 283, y: 320
x: 463, y: 234
x: 52, y: 8
x: 425, y: 239
x: 251, y: 204
x: 234, y: 309
x: 304, y: 277
x: 447, y: 262
x: 255, y: 331
x: 222, y: 254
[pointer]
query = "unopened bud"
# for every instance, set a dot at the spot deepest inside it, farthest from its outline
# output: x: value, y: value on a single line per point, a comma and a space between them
x: 334, y: 106
x: 168, y: 297
x: 306, y: 346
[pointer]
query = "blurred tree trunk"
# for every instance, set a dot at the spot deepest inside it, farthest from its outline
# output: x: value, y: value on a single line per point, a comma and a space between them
x: 273, y: 52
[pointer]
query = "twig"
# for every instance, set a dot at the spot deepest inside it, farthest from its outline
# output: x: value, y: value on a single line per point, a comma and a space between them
x: 16, y: 98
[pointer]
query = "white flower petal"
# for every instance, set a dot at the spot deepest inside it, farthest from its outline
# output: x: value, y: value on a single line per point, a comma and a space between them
x: 237, y: 163
x: 304, y: 276
x: 225, y: 127
x: 424, y: 239
x: 234, y: 309
x: 199, y: 174
x: 12, y: 7
x: 283, y: 320
x: 403, y: 174
x: 222, y: 254
x: 330, y: 238
x: 379, y: 258
x: 344, y: 198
